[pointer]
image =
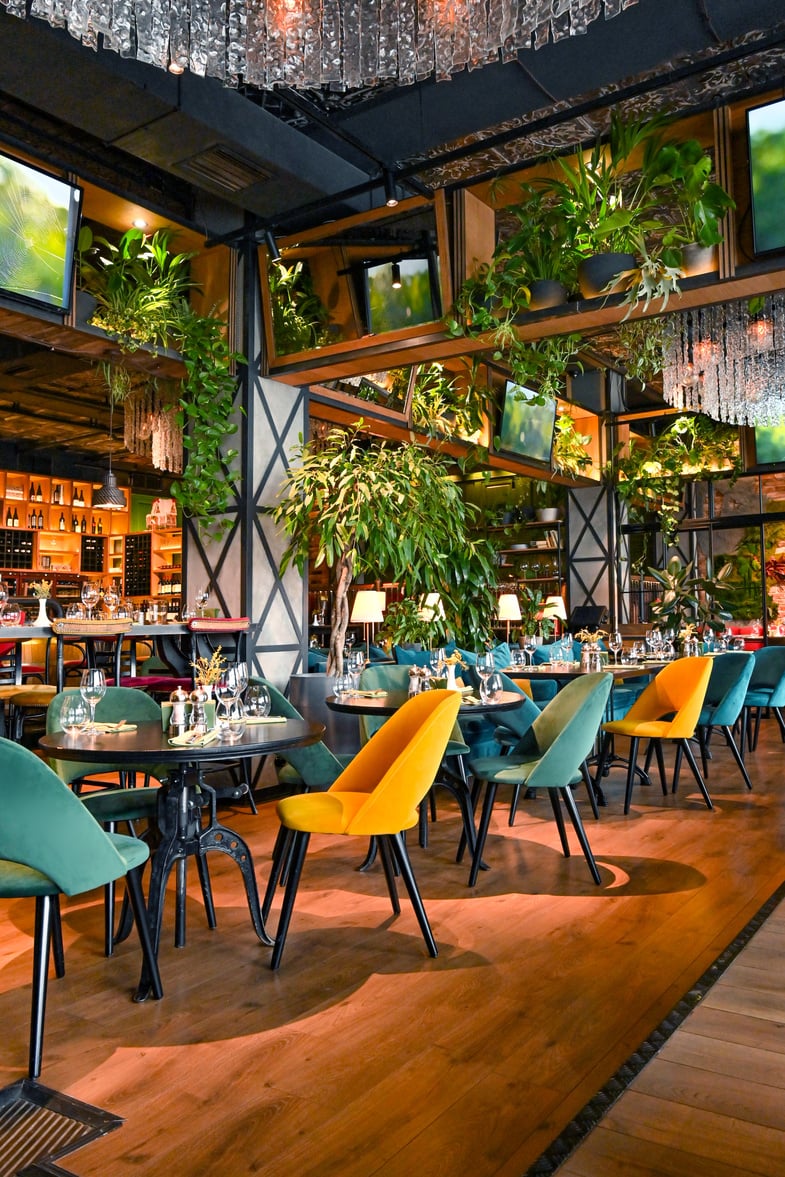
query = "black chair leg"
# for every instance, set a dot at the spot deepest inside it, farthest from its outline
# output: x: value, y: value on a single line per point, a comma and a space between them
x: 482, y: 833
x: 737, y: 756
x: 281, y: 850
x: 557, y: 813
x: 58, y: 954
x: 397, y: 844
x: 300, y: 842
x: 41, y: 942
x: 634, y: 741
x: 589, y: 783
x: 575, y: 817
x: 133, y: 882
x: 685, y: 744
x: 388, y: 866
x: 780, y: 721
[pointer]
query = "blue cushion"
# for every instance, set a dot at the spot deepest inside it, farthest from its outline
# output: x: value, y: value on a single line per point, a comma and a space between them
x: 377, y: 654
x: 316, y: 661
x: 501, y: 656
x: 410, y: 657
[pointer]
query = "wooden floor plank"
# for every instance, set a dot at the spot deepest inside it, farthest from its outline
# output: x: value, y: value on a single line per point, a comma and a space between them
x: 363, y: 1057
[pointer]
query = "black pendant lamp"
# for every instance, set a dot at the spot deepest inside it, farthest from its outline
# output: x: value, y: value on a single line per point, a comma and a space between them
x: 109, y: 497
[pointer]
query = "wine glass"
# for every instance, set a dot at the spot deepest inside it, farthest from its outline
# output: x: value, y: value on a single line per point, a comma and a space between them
x: 74, y: 715
x: 491, y: 688
x: 355, y: 663
x: 90, y: 596
x: 238, y: 674
x: 3, y: 593
x: 517, y: 657
x: 437, y: 660
x: 111, y: 598
x: 92, y: 689
x: 343, y: 685
x: 226, y: 688
x: 258, y: 701
x: 615, y: 644
x: 10, y: 615
x: 201, y: 598
x: 529, y: 646
x: 485, y: 667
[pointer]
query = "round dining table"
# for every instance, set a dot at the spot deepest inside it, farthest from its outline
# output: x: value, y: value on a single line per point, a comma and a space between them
x: 183, y: 800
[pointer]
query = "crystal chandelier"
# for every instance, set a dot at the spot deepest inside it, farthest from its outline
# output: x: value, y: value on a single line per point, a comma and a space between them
x: 343, y: 44
x: 728, y: 362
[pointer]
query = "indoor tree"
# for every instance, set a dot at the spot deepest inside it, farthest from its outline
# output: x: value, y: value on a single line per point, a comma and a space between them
x: 365, y: 507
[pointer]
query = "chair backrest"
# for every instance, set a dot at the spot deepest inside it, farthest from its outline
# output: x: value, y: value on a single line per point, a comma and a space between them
x: 566, y: 728
x: 521, y: 719
x: 46, y: 827
x: 398, y: 766
x: 118, y: 703
x: 730, y: 677
x: 316, y: 765
x: 388, y: 677
x: 678, y: 690
x: 769, y: 673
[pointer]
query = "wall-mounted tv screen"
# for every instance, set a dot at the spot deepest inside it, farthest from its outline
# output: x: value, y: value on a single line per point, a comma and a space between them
x: 526, y: 428
x: 39, y: 222
x: 769, y: 445
x: 415, y: 301
x: 766, y: 135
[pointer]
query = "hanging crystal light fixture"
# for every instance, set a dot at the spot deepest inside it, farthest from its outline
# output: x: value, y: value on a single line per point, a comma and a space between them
x: 728, y: 362
x: 309, y: 43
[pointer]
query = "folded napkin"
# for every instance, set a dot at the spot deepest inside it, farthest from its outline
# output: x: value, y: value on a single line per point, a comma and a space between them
x: 471, y: 699
x: 377, y: 694
x: 111, y: 728
x: 265, y: 719
x: 193, y: 739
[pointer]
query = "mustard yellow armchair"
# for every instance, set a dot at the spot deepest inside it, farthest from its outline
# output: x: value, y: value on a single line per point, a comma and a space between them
x: 668, y: 709
x: 377, y: 796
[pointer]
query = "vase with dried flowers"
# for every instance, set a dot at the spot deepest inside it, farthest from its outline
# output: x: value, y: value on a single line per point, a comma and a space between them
x: 591, y: 651
x: 207, y: 671
x: 42, y: 590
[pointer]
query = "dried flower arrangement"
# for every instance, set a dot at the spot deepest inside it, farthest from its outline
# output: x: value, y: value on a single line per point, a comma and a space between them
x: 41, y: 589
x: 591, y: 635
x: 209, y: 670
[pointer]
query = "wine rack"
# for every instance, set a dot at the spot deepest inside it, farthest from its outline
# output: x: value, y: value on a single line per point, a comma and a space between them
x: 138, y: 564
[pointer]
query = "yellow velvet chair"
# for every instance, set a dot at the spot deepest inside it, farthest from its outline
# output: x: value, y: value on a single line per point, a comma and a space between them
x: 377, y: 796
x: 667, y: 709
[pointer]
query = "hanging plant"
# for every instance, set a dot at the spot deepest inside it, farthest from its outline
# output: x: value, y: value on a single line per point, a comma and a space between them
x: 569, y: 455
x: 141, y: 292
x: 651, y: 476
x: 300, y: 318
x: 442, y: 406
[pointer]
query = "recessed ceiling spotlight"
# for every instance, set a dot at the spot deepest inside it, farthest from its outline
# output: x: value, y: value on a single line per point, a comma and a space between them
x: 176, y: 68
x: 139, y: 223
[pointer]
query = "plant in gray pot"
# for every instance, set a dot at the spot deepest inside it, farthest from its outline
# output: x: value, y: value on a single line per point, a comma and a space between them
x: 541, y: 249
x: 700, y: 205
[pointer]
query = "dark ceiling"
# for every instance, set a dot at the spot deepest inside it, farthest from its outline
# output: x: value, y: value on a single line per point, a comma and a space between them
x: 220, y: 159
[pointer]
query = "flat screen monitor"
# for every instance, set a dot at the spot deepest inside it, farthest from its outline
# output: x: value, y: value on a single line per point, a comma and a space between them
x: 769, y: 445
x: 526, y: 428
x: 39, y: 223
x: 766, y: 136
x: 415, y: 301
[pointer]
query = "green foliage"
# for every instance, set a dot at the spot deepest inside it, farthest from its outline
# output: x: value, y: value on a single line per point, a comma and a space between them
x: 442, y: 406
x: 651, y: 477
x: 688, y: 599
x: 639, y: 347
x: 300, y: 318
x: 403, y: 622
x: 369, y: 507
x: 532, y: 601
x: 141, y: 291
x: 569, y: 454
x: 700, y: 202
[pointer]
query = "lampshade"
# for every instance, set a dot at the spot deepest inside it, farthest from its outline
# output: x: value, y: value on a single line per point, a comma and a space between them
x: 431, y: 607
x: 109, y: 497
x: 368, y: 607
x: 554, y: 607
x: 508, y: 607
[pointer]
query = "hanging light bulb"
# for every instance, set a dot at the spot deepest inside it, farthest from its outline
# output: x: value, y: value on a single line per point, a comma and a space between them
x: 396, y: 276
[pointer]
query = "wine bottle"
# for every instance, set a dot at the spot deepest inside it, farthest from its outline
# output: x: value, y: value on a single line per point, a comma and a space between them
x: 16, y: 518
x: 92, y: 526
x: 40, y: 521
x: 61, y: 524
x: 100, y: 527
x: 32, y: 520
x: 83, y: 527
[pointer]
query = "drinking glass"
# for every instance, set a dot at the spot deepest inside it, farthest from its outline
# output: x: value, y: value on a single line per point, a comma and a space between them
x: 111, y: 598
x: 437, y: 661
x: 355, y: 662
x: 92, y: 689
x: 238, y: 675
x: 237, y: 721
x: 529, y: 646
x: 75, y: 611
x: 615, y: 644
x: 491, y: 688
x: 257, y: 700
x: 226, y: 688
x: 201, y: 598
x: 74, y: 715
x: 485, y: 667
x: 517, y: 657
x: 343, y: 685
x: 11, y: 615
x: 90, y: 597
x: 3, y: 593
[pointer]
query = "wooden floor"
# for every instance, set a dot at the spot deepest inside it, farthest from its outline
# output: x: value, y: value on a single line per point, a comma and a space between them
x: 363, y: 1057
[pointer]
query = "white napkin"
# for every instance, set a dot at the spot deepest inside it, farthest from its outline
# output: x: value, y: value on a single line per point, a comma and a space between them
x: 193, y: 739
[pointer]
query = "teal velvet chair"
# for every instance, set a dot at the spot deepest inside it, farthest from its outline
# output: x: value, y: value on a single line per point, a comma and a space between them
x: 766, y: 690
x: 109, y: 804
x: 549, y: 756
x: 302, y: 769
x: 51, y: 845
x: 724, y: 702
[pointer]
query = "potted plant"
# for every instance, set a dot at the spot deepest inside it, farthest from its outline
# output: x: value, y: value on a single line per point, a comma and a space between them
x: 699, y: 202
x: 689, y: 600
x: 533, y: 621
x: 367, y: 506
x: 539, y: 256
x: 569, y: 455
x: 141, y: 292
x: 300, y: 318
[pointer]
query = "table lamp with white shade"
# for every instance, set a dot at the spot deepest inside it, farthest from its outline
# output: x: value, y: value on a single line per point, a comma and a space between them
x: 368, y: 610
x: 554, y: 608
x: 508, y: 609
